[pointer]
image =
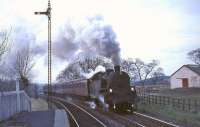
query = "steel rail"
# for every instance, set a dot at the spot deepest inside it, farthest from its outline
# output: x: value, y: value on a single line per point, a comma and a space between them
x: 82, y: 110
x: 66, y: 109
x: 156, y: 119
x: 131, y: 121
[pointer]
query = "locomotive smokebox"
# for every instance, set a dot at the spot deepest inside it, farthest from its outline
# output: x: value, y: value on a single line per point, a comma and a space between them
x: 117, y: 68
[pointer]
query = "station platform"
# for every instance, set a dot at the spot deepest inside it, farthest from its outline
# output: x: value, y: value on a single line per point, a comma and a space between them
x: 40, y: 116
x: 48, y: 118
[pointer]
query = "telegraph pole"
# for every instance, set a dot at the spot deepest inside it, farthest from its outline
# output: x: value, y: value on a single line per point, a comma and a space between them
x: 48, y: 14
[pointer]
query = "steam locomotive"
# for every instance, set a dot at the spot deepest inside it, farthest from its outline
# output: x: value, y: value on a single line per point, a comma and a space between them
x: 110, y: 90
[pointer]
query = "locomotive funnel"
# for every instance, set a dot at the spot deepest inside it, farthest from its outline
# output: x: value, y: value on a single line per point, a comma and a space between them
x: 117, y: 68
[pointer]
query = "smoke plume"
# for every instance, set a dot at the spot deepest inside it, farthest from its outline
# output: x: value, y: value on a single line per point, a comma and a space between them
x: 94, y: 37
x: 91, y: 36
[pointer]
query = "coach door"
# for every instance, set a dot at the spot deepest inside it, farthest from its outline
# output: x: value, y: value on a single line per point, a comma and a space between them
x: 185, y: 83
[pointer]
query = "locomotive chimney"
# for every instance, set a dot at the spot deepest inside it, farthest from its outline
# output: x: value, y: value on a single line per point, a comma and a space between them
x: 117, y: 68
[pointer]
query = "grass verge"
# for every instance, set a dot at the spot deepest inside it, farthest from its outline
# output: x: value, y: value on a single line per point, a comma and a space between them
x: 184, y: 119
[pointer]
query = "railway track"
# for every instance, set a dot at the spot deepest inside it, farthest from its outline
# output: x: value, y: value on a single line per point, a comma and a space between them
x: 79, y: 117
x: 72, y: 119
x: 79, y: 111
x: 146, y: 121
x: 154, y: 121
x: 137, y: 119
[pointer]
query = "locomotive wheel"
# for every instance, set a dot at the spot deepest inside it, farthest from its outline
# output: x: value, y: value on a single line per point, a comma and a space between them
x: 97, y: 102
x: 134, y: 108
x: 110, y: 107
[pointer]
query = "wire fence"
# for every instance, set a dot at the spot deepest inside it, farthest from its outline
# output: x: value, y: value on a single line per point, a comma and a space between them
x: 183, y: 104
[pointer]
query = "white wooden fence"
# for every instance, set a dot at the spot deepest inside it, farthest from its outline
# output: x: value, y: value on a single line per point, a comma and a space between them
x: 13, y: 102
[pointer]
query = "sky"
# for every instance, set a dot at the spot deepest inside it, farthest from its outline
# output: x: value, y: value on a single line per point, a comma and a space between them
x: 147, y: 29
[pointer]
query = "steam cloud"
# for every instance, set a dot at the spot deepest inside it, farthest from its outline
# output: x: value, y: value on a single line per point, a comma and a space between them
x: 92, y: 37
x: 95, y: 37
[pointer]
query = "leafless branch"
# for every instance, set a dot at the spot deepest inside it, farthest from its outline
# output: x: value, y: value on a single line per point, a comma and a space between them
x: 4, y: 42
x: 24, y: 64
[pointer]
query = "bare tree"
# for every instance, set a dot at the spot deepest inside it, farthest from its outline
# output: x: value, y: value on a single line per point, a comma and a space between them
x: 23, y: 65
x: 143, y: 70
x: 194, y: 55
x: 139, y: 66
x: 89, y: 64
x: 138, y: 69
x: 157, y: 74
x: 77, y: 69
x: 4, y: 44
x: 72, y: 71
x: 128, y: 66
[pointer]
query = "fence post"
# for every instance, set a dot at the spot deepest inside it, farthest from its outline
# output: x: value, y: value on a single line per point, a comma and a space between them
x: 189, y: 108
x: 178, y: 103
x: 195, y: 105
x: 18, y: 95
x: 160, y: 100
x: 142, y: 98
x: 155, y: 99
x: 172, y: 102
x: 183, y: 104
x: 168, y: 100
x: 164, y: 100
x: 149, y: 97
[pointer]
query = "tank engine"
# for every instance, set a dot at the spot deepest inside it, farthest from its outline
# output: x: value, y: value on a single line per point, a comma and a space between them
x: 110, y: 90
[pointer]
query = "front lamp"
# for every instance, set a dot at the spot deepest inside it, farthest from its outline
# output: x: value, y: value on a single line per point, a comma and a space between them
x: 110, y: 90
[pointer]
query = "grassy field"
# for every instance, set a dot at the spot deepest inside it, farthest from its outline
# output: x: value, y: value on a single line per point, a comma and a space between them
x: 186, y: 119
